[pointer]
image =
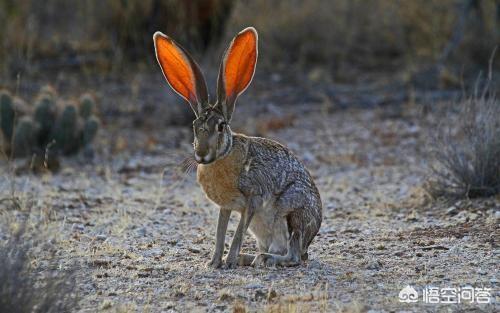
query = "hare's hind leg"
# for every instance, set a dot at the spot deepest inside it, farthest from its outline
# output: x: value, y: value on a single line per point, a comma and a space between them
x: 294, y: 253
x: 292, y: 258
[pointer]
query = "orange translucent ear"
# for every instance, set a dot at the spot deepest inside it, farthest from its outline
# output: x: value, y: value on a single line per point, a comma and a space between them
x: 239, y: 63
x: 180, y: 71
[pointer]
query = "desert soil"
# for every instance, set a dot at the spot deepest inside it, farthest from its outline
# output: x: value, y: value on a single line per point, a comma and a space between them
x: 140, y: 230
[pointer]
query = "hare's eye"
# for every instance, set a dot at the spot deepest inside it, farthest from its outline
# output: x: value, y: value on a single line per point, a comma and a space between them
x: 220, y: 127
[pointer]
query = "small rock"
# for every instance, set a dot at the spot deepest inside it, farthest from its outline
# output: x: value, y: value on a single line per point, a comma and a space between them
x: 193, y: 249
x: 220, y: 307
x: 452, y: 210
x: 154, y: 252
x: 473, y: 216
x: 142, y: 231
x: 374, y: 265
x: 78, y: 227
x: 101, y: 237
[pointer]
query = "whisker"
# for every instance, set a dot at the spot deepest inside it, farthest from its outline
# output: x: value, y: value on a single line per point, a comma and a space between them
x: 188, y: 165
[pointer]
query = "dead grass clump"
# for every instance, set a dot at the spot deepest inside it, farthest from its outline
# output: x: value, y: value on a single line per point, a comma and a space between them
x: 466, y: 157
x: 25, y: 289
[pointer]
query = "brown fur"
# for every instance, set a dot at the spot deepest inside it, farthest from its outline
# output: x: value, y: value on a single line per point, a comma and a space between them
x: 219, y: 179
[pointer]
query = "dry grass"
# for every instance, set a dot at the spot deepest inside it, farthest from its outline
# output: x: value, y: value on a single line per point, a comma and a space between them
x: 26, y: 289
x: 467, y: 149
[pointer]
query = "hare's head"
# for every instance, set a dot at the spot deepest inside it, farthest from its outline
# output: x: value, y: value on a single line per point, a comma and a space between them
x: 212, y: 135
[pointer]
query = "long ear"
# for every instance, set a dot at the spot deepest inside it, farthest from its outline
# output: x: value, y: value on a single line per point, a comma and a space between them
x: 237, y: 69
x: 181, y: 72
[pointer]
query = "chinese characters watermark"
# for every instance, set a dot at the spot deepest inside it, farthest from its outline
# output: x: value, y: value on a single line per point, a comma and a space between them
x: 446, y: 295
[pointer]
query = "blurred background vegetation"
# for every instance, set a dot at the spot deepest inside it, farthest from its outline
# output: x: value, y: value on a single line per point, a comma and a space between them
x: 309, y: 50
x: 338, y: 40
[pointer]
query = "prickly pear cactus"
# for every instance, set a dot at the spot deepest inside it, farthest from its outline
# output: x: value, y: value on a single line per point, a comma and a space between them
x: 7, y: 115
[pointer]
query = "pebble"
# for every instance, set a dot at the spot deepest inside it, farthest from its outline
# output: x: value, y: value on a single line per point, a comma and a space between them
x: 374, y: 265
x: 452, y: 210
x: 194, y: 249
x: 78, y: 227
x: 142, y: 231
x: 101, y: 237
x: 473, y: 216
x: 154, y: 252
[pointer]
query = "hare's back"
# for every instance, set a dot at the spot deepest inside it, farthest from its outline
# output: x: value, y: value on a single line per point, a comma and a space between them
x: 270, y: 168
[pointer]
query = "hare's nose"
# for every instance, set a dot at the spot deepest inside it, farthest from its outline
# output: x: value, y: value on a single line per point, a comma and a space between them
x: 205, y: 159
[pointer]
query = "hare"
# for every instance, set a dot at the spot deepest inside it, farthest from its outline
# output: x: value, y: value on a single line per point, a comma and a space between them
x: 257, y: 177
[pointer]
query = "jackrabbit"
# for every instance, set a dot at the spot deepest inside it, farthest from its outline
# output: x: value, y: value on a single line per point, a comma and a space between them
x: 258, y: 177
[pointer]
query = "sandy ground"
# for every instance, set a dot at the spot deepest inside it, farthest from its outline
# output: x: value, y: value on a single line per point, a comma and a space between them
x: 140, y: 231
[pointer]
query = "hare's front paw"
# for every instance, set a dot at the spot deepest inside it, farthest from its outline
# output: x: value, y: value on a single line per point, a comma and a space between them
x: 263, y: 259
x: 215, y: 262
